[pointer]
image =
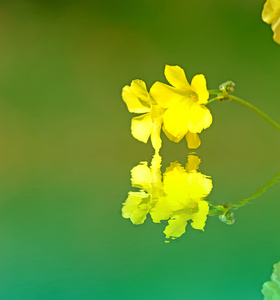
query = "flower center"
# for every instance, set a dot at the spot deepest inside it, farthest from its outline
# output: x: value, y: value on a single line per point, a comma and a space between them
x: 194, y: 96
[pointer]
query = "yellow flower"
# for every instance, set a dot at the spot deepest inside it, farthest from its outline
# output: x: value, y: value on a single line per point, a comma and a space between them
x: 271, y: 15
x: 139, y: 101
x: 185, y: 113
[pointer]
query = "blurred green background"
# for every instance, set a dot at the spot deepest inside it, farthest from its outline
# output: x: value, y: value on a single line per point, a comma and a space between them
x: 66, y: 150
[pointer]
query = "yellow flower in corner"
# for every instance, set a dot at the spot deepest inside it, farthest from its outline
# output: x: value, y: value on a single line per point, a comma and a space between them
x: 271, y: 15
x: 139, y: 101
x: 186, y: 114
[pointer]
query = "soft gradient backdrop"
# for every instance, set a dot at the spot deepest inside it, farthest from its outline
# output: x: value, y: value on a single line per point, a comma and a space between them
x: 66, y: 150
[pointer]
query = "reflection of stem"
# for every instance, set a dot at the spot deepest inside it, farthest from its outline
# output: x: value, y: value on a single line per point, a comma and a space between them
x: 224, y: 212
x: 257, y: 193
x: 222, y: 95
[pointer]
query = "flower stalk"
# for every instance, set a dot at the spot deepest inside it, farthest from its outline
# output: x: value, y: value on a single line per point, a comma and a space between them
x: 223, y: 94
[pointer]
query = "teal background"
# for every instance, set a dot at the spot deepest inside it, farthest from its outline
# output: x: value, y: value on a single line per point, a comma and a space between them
x: 66, y: 150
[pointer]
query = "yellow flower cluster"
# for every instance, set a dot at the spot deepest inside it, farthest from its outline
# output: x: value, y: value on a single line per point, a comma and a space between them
x: 177, y: 196
x: 179, y: 108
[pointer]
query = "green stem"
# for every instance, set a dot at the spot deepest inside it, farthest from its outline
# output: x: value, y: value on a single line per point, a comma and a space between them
x: 225, y: 96
x: 217, y: 92
x: 258, y: 193
x: 255, y: 109
x: 213, y: 99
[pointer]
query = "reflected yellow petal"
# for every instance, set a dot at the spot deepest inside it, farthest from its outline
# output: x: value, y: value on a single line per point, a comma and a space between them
x: 193, y: 140
x: 193, y: 163
x: 197, y: 185
x: 141, y: 127
x: 271, y: 289
x: 199, y: 86
x: 136, y: 207
x: 199, y: 118
x: 200, y: 217
x: 175, y: 180
x: 176, y: 226
x: 176, y: 77
x: 141, y: 176
x: 133, y: 102
x: 165, y: 95
x: 161, y: 210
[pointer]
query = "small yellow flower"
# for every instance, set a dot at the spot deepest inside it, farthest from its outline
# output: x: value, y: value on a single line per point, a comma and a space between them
x: 271, y: 15
x: 139, y: 101
x: 185, y: 113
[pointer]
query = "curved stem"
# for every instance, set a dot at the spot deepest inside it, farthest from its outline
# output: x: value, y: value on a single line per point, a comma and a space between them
x: 215, y: 92
x: 255, y: 109
x: 225, y: 96
x: 212, y: 100
x: 258, y: 193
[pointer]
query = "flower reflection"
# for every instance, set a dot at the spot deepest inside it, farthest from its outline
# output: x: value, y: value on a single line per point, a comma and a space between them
x: 177, y: 195
x: 225, y: 211
x: 271, y: 289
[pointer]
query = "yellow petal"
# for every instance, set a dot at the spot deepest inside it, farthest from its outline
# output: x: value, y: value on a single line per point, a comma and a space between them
x: 140, y: 90
x: 156, y: 113
x: 176, y: 226
x: 176, y: 119
x: 165, y: 95
x: 136, y: 207
x: 200, y: 217
x: 199, y: 118
x: 133, y: 102
x: 199, y: 86
x: 141, y: 127
x: 276, y: 29
x: 155, y: 137
x: 271, y: 11
x: 176, y: 77
x: 141, y: 176
x: 171, y: 137
x: 193, y: 140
